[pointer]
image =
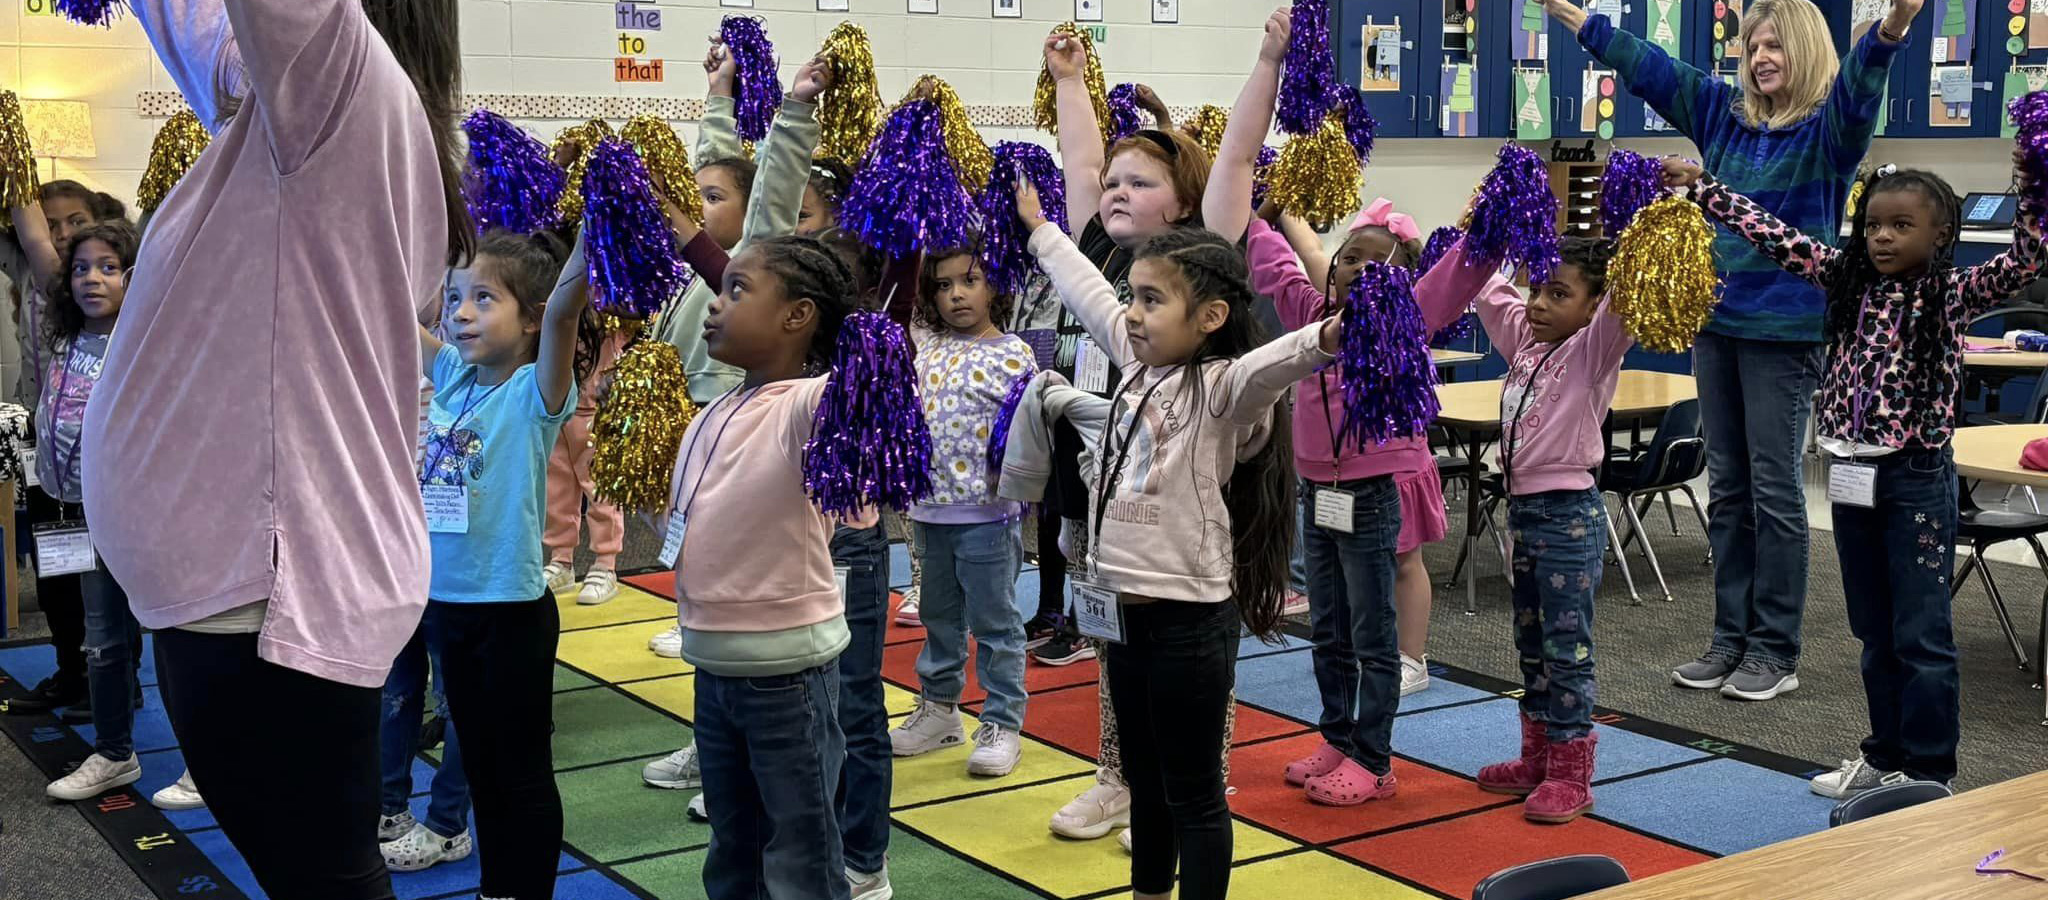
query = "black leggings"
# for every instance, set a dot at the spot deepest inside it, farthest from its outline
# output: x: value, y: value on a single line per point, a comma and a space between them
x: 1170, y: 683
x: 1052, y: 564
x: 60, y: 596
x: 249, y: 727
x: 498, y: 660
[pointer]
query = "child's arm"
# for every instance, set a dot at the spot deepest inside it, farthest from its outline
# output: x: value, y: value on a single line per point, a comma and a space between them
x: 1852, y: 107
x: 1783, y: 244
x: 430, y: 347
x: 1258, y: 379
x: 785, y: 158
x: 1080, y: 137
x: 1981, y: 287
x: 1080, y: 284
x: 1308, y: 246
x: 1226, y: 203
x: 718, y: 135
x: 1277, y: 274
x: 703, y: 254
x: 555, y: 370
x: 1449, y: 287
x: 32, y: 230
x: 197, y: 47
x: 1691, y: 100
x: 305, y: 61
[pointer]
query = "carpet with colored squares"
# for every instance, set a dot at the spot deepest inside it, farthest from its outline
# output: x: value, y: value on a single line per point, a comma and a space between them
x: 1665, y: 798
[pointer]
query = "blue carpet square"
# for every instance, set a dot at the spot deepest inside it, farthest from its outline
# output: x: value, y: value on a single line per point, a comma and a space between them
x: 1465, y: 738
x: 29, y: 664
x: 215, y: 845
x: 591, y: 884
x: 1285, y: 683
x: 1722, y: 806
x: 1251, y: 646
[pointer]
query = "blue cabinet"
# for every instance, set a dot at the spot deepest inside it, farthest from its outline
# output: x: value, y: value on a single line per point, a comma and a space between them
x: 1427, y: 44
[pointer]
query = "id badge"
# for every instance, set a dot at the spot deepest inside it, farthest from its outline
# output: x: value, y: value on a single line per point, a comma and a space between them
x: 1091, y: 367
x: 1333, y: 509
x: 841, y: 575
x: 447, y: 508
x: 1852, y: 483
x: 672, y: 542
x: 27, y: 457
x: 1098, y: 613
x: 64, y: 548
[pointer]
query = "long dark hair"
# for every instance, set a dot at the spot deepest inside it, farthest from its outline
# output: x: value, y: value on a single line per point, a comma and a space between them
x: 529, y: 265
x: 66, y: 318
x: 1001, y: 307
x: 102, y: 206
x: 1855, y: 273
x: 809, y: 268
x: 1260, y: 494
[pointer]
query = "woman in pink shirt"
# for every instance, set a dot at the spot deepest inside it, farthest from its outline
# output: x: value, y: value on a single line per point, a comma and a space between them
x: 276, y: 543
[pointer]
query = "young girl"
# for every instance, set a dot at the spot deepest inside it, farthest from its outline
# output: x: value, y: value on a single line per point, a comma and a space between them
x: 969, y: 539
x: 1897, y: 309
x: 1564, y: 349
x: 1187, y: 531
x: 572, y: 499
x: 83, y: 308
x: 824, y: 191
x: 504, y: 384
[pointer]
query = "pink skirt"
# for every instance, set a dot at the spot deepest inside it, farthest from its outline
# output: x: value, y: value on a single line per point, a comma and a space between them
x: 1422, y: 508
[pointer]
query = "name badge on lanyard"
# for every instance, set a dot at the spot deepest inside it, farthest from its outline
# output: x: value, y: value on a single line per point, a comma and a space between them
x: 1333, y: 509
x: 1098, y: 613
x: 1091, y: 366
x: 841, y: 575
x: 64, y: 548
x: 672, y: 542
x: 1852, y: 483
x: 447, y: 508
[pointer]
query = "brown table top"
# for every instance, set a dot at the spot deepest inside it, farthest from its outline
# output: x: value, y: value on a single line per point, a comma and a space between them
x: 1444, y: 357
x: 1927, y: 852
x: 1637, y: 393
x: 2004, y: 359
x: 1992, y: 453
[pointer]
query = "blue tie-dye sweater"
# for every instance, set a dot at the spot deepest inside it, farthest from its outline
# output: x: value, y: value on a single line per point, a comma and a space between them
x: 1801, y: 173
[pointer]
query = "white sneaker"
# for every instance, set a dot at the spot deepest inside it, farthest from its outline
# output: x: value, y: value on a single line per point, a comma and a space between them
x: 1414, y: 674
x: 391, y: 828
x: 180, y: 794
x: 932, y: 726
x: 668, y: 644
x: 676, y: 772
x: 1854, y: 777
x: 906, y: 612
x: 420, y: 848
x: 996, y: 750
x: 696, y: 810
x: 870, y: 887
x: 1124, y: 840
x: 95, y: 776
x: 600, y: 586
x: 1296, y: 604
x: 1104, y: 807
x: 558, y: 576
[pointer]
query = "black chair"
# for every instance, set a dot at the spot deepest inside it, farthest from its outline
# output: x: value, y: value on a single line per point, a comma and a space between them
x: 1552, y: 879
x: 1676, y: 456
x: 1982, y: 529
x: 1890, y: 798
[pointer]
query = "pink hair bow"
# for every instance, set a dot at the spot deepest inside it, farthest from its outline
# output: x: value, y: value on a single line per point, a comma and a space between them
x: 1381, y: 212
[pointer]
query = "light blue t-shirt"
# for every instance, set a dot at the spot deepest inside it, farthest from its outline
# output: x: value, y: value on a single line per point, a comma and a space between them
x: 494, y: 440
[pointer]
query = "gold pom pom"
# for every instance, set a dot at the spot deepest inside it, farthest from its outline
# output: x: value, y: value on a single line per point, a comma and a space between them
x: 19, y: 184
x: 1317, y: 175
x: 585, y: 136
x: 971, y: 156
x: 639, y: 426
x: 668, y: 164
x: 850, y: 111
x: 177, y: 146
x: 1043, y: 104
x: 1662, y: 281
x: 1207, y: 127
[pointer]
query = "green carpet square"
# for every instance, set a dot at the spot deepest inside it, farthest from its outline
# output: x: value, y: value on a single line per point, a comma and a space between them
x: 609, y: 814
x: 604, y: 725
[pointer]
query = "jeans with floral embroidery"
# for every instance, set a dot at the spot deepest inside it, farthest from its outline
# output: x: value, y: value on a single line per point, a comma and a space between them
x: 1899, y: 609
x: 1559, y: 537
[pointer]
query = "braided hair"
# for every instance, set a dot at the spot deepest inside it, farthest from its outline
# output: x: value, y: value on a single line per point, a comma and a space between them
x: 1854, y: 274
x: 1590, y: 256
x: 1259, y: 497
x: 810, y: 269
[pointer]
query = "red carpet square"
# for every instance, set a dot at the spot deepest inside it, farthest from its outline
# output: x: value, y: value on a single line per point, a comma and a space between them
x: 1453, y: 856
x: 660, y: 584
x: 899, y: 665
x: 1263, y: 796
x: 1066, y: 718
x: 1258, y: 725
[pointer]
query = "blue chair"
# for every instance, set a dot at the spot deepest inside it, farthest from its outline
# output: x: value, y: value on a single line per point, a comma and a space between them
x: 1552, y: 879
x: 1890, y: 798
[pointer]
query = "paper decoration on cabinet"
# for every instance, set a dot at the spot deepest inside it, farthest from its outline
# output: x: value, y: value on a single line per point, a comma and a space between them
x: 1609, y: 8
x: 2037, y: 25
x: 2015, y: 19
x: 2015, y: 86
x: 1667, y: 25
x: 1459, y: 115
x: 1460, y: 25
x: 1728, y: 30
x: 1381, y: 67
x: 1599, y: 93
x: 1006, y: 9
x: 1532, y: 40
x: 1532, y: 104
x: 1948, y: 102
x: 1955, y: 31
x: 1654, y: 122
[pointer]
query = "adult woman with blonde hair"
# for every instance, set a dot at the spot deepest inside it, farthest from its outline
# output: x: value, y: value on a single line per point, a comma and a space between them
x: 1791, y: 132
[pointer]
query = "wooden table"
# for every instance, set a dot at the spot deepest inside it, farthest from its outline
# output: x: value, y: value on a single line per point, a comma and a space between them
x: 1444, y: 357
x: 2005, y: 359
x: 1992, y: 453
x: 1926, y: 852
x: 1472, y: 409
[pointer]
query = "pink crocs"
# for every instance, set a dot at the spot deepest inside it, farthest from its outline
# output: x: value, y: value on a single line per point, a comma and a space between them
x: 1349, y: 785
x: 1321, y: 762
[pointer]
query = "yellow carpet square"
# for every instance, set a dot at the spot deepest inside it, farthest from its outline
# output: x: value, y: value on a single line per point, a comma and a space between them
x: 942, y: 774
x: 631, y: 605
x: 618, y: 652
x: 1312, y: 874
x: 897, y: 701
x: 677, y: 694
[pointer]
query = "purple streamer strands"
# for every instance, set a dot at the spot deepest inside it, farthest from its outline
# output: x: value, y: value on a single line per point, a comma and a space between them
x: 2030, y: 116
x: 635, y: 265
x: 1262, y: 175
x: 1389, y: 378
x: 999, y: 436
x: 1359, y: 125
x: 907, y: 196
x: 1631, y: 182
x: 1124, y: 118
x: 1515, y: 218
x: 1006, y: 258
x: 869, y: 443
x: 90, y: 12
x: 512, y: 181
x: 1309, y: 83
x: 756, y: 88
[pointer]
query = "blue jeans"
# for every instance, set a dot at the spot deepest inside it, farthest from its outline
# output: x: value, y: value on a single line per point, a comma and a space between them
x: 1755, y: 397
x: 1559, y: 538
x: 970, y: 584
x: 113, y: 647
x: 864, y: 782
x: 770, y: 749
x: 1351, y: 616
x: 1899, y: 609
x: 405, y: 692
x: 1297, y: 560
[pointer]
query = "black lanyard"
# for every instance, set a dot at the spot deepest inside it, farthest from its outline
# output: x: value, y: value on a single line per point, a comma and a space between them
x: 1510, y: 437
x: 684, y: 461
x: 1108, y: 478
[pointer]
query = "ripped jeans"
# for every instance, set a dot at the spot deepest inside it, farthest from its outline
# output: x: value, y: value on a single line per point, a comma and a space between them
x: 113, y: 650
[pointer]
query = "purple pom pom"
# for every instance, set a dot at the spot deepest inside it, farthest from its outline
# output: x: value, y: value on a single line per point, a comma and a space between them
x: 1515, y: 219
x: 907, y: 196
x: 2030, y: 116
x: 869, y: 443
x: 1006, y: 259
x: 756, y: 88
x: 512, y: 182
x: 999, y: 435
x: 635, y: 265
x: 1262, y: 178
x: 1359, y: 125
x: 1631, y: 182
x: 1309, y: 83
x: 1388, y: 376
x: 1124, y: 118
x: 90, y: 12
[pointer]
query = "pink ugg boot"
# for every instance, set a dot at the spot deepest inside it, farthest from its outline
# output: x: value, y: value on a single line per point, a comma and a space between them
x: 1567, y: 789
x: 1520, y: 776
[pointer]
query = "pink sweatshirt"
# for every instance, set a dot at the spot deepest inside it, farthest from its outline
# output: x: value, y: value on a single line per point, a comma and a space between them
x: 1558, y: 440
x: 1318, y: 401
x: 253, y: 434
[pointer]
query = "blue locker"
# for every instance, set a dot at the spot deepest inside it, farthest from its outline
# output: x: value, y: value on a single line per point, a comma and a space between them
x: 1400, y: 113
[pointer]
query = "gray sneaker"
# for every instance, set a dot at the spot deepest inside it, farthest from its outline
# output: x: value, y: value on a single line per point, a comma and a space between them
x: 1708, y: 672
x: 1756, y: 679
x: 1854, y: 777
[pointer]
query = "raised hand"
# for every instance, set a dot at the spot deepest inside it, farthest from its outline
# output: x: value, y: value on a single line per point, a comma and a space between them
x: 812, y: 79
x: 1680, y: 173
x: 1566, y: 12
x: 1279, y: 25
x: 719, y: 68
x: 1064, y: 57
x: 1901, y: 16
x: 1029, y: 210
